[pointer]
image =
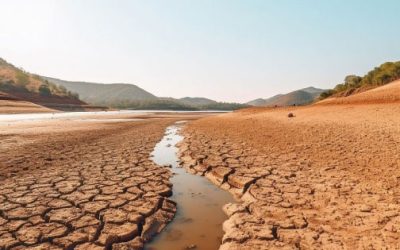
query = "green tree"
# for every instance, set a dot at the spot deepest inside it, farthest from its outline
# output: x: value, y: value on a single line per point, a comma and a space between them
x: 44, y: 90
x: 352, y: 81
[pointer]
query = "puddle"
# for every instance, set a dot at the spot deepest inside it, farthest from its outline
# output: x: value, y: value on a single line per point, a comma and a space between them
x: 198, y: 221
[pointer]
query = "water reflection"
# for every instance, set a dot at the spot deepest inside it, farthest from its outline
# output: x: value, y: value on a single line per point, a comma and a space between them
x: 198, y: 221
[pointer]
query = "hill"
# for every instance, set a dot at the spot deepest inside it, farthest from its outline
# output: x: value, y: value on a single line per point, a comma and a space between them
x: 17, y: 85
x: 298, y: 97
x: 313, y: 90
x: 129, y: 96
x: 353, y: 84
x: 196, y: 101
x: 113, y: 95
x: 389, y: 93
x: 256, y: 102
x: 20, y: 85
x: 272, y: 100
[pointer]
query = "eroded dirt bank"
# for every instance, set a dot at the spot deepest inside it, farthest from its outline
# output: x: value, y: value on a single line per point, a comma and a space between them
x: 17, y: 107
x: 88, y: 186
x: 326, y: 179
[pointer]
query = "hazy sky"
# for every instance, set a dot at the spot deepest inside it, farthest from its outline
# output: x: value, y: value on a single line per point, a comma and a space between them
x: 223, y: 49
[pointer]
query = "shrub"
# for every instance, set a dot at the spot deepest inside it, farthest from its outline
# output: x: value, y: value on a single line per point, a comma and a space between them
x: 44, y: 90
x: 22, y: 78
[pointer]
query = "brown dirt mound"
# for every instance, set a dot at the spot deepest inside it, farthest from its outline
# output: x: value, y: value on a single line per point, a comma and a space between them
x: 389, y: 93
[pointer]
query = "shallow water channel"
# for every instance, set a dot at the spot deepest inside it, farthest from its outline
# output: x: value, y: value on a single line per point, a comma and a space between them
x: 198, y: 221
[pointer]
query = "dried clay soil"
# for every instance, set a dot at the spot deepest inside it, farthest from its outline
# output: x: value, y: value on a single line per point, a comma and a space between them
x: 67, y: 185
x: 327, y: 178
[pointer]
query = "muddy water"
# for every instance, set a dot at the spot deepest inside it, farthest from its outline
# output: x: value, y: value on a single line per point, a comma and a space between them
x: 198, y: 221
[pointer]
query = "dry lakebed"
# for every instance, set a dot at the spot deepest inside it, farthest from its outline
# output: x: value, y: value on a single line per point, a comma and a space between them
x: 326, y: 178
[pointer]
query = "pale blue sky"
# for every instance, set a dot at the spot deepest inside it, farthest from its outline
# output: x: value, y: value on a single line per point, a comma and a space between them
x: 226, y: 50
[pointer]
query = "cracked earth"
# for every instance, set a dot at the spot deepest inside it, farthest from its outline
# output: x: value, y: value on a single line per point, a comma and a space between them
x: 326, y: 179
x: 84, y: 189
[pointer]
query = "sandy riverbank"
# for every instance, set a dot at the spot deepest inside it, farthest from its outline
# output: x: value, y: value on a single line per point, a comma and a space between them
x: 326, y: 179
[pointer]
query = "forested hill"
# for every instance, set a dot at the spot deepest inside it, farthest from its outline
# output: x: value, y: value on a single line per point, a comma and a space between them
x: 21, y: 85
x: 105, y: 94
x: 353, y: 84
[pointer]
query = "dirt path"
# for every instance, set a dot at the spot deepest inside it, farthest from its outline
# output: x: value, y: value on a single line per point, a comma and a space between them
x: 86, y: 188
x: 326, y: 179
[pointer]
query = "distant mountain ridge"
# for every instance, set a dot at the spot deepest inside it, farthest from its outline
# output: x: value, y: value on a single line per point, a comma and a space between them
x: 68, y: 95
x: 130, y: 96
x: 299, y: 97
x: 105, y: 94
x: 257, y: 102
x: 197, y: 101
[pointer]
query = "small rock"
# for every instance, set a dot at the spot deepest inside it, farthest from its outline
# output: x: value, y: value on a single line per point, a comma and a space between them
x: 366, y: 208
x: 290, y: 115
x: 192, y: 246
x: 286, y: 204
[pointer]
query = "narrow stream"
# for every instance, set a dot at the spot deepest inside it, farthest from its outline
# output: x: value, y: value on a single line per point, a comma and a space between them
x: 198, y: 221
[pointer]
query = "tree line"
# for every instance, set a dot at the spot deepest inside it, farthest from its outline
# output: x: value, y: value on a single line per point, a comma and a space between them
x: 171, y: 104
x: 384, y: 74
